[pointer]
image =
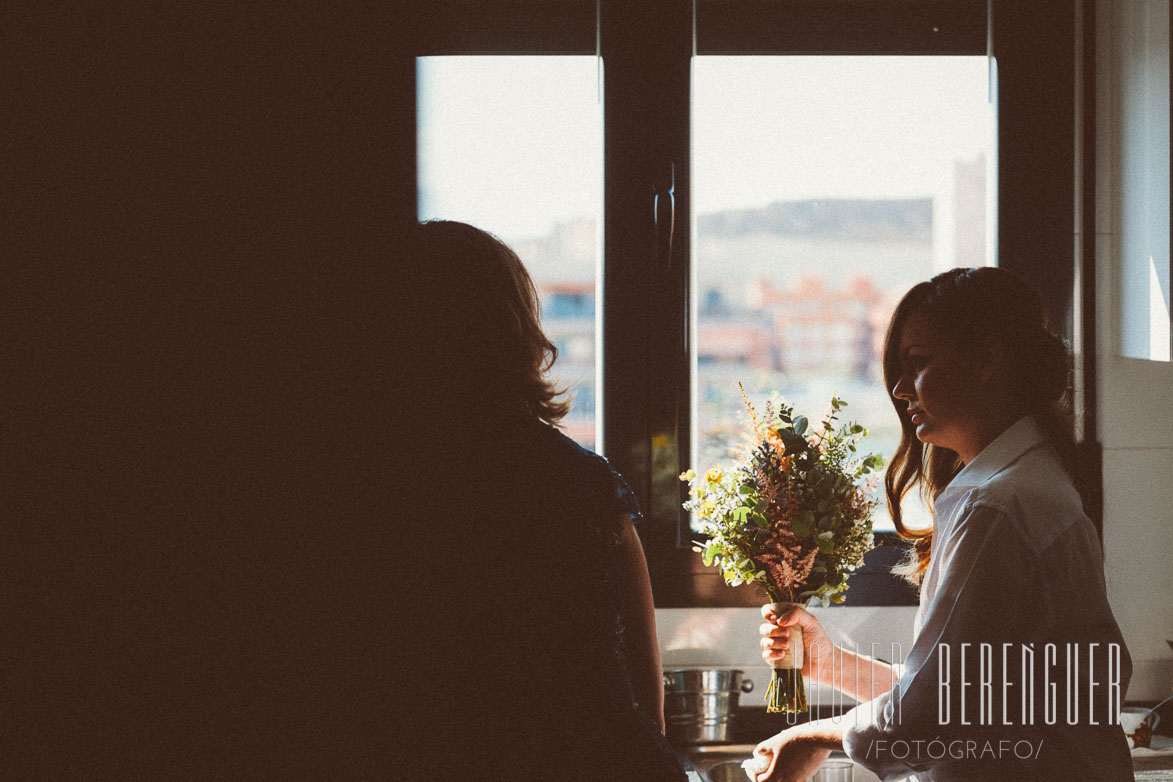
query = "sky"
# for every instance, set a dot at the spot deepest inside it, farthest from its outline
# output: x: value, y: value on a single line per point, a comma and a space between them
x: 512, y: 144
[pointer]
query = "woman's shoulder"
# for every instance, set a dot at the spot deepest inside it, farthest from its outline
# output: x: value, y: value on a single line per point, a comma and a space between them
x: 575, y: 462
x: 1035, y: 495
x: 554, y: 443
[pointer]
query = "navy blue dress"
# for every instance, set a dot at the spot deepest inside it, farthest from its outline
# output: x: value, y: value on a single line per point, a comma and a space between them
x: 544, y: 691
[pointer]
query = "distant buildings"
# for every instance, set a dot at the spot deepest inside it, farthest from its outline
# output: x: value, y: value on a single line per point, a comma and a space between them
x: 568, y: 319
x: 809, y: 327
x: 787, y: 333
x: 792, y: 297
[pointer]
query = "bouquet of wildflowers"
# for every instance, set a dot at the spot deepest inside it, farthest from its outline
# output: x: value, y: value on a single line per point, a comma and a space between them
x: 793, y: 515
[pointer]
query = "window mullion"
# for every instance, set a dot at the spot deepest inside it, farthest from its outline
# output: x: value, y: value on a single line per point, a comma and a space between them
x: 646, y: 51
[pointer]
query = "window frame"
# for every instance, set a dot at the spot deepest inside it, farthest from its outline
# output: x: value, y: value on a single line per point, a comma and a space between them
x: 646, y: 51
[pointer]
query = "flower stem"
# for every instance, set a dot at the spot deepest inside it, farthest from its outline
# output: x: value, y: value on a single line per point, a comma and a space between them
x: 787, y: 692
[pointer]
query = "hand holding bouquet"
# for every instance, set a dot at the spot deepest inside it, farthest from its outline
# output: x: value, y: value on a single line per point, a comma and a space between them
x: 793, y: 515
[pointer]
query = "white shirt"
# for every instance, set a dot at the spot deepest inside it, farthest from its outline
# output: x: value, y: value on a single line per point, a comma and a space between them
x: 1015, y: 564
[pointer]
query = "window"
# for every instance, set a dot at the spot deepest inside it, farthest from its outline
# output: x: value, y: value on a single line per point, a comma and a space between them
x: 1141, y: 105
x: 824, y: 188
x: 669, y: 316
x: 513, y: 145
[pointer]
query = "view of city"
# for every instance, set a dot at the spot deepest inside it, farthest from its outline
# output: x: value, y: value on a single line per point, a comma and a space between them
x: 810, y: 222
x: 793, y: 298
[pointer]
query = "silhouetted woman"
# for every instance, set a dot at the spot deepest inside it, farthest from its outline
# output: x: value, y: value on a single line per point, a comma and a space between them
x: 1010, y: 568
x: 542, y: 626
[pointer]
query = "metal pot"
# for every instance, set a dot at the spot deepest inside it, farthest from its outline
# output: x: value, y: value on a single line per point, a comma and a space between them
x: 699, y: 703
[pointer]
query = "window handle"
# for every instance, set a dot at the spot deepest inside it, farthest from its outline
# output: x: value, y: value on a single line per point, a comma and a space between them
x: 664, y: 216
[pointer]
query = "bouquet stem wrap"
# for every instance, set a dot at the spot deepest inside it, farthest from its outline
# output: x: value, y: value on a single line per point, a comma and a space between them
x: 787, y: 691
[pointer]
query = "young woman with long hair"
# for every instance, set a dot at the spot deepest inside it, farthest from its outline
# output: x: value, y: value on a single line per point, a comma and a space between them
x: 1018, y: 666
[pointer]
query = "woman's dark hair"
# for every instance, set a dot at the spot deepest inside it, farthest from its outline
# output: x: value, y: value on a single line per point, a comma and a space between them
x: 482, y: 313
x: 971, y: 308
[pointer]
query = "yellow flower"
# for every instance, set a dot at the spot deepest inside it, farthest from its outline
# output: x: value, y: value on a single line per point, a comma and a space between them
x: 713, y: 475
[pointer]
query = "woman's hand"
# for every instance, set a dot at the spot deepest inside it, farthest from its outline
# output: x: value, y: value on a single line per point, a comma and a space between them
x: 817, y: 647
x: 792, y: 756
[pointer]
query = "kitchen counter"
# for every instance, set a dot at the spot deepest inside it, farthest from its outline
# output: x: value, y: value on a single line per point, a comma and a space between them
x: 1159, y: 757
x: 1155, y: 764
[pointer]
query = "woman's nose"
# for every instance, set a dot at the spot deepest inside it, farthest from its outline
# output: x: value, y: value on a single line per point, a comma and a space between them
x: 902, y: 389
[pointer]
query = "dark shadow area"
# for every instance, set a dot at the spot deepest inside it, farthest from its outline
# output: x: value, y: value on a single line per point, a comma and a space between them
x: 198, y: 566
x: 874, y: 583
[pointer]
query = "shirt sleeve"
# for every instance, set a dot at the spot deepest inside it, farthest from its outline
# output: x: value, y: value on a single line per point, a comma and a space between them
x: 895, y: 734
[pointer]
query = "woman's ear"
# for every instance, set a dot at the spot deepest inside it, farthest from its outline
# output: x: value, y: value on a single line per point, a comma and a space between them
x: 991, y: 358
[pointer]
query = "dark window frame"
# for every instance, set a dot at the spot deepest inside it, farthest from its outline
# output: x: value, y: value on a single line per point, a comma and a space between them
x: 646, y: 51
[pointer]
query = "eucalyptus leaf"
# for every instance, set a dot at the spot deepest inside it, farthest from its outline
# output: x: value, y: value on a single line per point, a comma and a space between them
x: 794, y: 442
x: 800, y: 424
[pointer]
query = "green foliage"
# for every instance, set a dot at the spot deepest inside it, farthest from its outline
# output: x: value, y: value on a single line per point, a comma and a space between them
x: 793, y: 515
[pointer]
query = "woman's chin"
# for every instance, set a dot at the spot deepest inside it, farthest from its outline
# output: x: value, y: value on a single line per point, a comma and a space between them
x: 929, y: 437
x: 925, y: 432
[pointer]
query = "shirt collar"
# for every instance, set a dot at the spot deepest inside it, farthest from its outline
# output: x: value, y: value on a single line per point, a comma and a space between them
x: 1019, y: 438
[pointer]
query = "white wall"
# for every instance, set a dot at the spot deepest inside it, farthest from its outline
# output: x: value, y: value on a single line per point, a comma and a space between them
x: 1136, y: 395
